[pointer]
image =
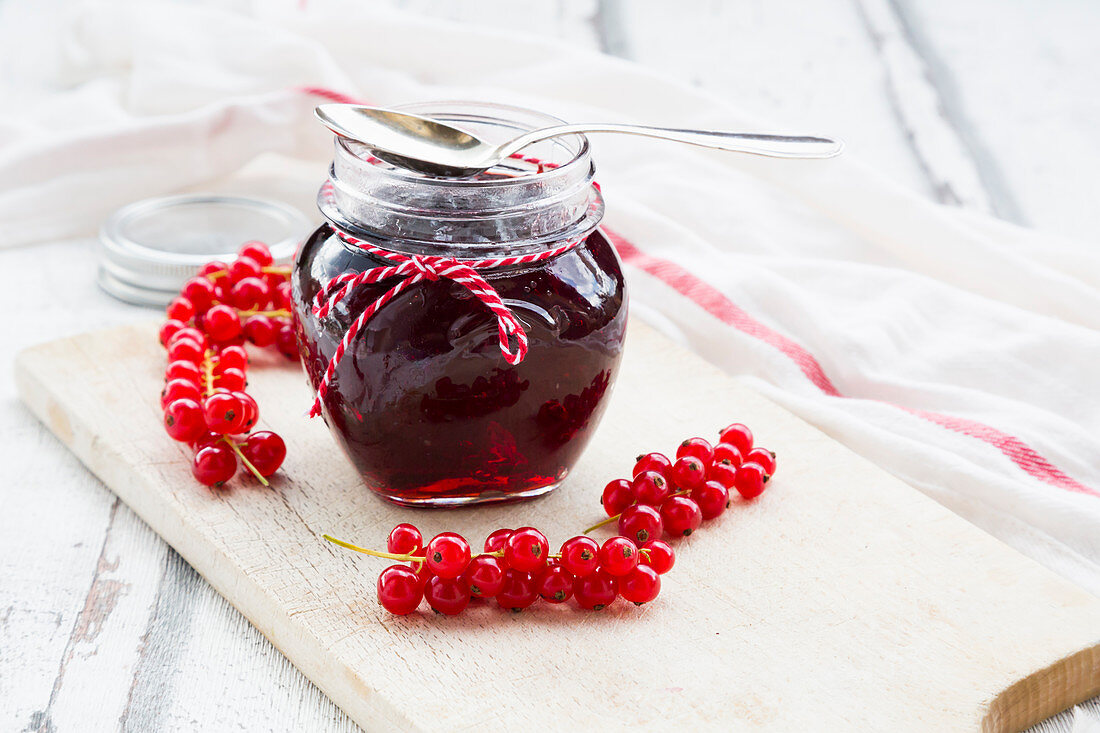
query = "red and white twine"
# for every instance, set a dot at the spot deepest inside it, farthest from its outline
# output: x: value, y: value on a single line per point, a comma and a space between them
x: 411, y: 269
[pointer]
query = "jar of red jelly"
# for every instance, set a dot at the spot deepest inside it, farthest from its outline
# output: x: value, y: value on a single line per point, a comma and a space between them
x: 433, y: 397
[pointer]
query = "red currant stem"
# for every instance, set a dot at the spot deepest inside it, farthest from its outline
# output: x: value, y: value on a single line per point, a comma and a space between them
x: 208, y: 372
x: 374, y: 553
x: 601, y: 523
x: 247, y: 463
x: 276, y: 270
x: 278, y: 313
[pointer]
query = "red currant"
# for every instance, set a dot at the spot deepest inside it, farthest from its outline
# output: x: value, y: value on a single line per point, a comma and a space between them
x: 200, y: 292
x: 485, y: 576
x: 251, y: 293
x: 697, y: 448
x: 183, y: 420
x: 405, y: 539
x: 518, y: 590
x: 189, y: 333
x: 650, y: 487
x: 214, y: 267
x: 640, y: 585
x: 580, y: 555
x: 448, y: 596
x: 243, y: 267
x: 186, y: 350
x: 222, y: 323
x: 400, y: 590
x: 619, y: 555
x: 739, y: 435
x: 688, y: 472
x: 287, y: 343
x: 712, y: 497
x: 447, y: 554
x: 282, y: 297
x: 681, y: 516
x: 764, y: 457
x: 653, y: 462
x: 641, y: 523
x: 260, y: 330
x: 556, y: 584
x: 177, y: 389
x: 750, y: 480
x: 168, y: 329
x: 596, y: 591
x: 224, y: 413
x: 180, y: 309
x: 727, y: 452
x: 617, y: 495
x: 495, y: 541
x: 231, y: 379
x: 257, y: 251
x: 251, y: 410
x: 658, y: 555
x: 422, y: 571
x: 214, y: 465
x: 723, y: 472
x: 526, y: 550
x: 265, y: 450
x: 231, y: 357
x: 184, y: 370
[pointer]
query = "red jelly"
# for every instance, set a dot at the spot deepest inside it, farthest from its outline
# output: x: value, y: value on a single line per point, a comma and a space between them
x: 423, y: 401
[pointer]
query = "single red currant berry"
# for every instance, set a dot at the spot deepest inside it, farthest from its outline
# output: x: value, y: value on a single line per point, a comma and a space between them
x: 251, y: 410
x: 400, y: 590
x: 231, y: 357
x: 224, y: 413
x: 168, y: 329
x: 448, y: 596
x: 485, y: 576
x: 405, y: 539
x: 287, y: 343
x: 231, y: 379
x: 681, y: 516
x: 180, y: 309
x: 282, y: 295
x: 617, y: 495
x: 215, y: 267
x: 186, y: 350
x: 580, y: 555
x: 764, y: 457
x: 650, y: 487
x: 728, y: 452
x: 257, y: 251
x: 596, y: 591
x: 697, y: 448
x: 448, y: 554
x: 518, y: 591
x: 183, y: 420
x: 619, y: 555
x: 265, y: 450
x: 688, y: 472
x: 723, y: 472
x: 214, y: 465
x: 495, y: 541
x: 260, y: 330
x: 640, y: 585
x: 658, y: 555
x: 189, y: 333
x: 556, y: 584
x: 178, y: 389
x: 641, y: 523
x: 200, y: 292
x: 222, y: 324
x: 653, y: 462
x: 739, y: 436
x: 243, y: 267
x: 712, y: 497
x: 251, y: 293
x: 184, y: 370
x: 526, y: 550
x: 750, y: 480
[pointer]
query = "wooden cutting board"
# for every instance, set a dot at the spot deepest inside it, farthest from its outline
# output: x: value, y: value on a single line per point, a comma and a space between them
x: 842, y: 599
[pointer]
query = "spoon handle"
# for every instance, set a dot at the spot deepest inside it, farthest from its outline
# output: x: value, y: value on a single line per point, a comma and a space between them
x: 774, y: 146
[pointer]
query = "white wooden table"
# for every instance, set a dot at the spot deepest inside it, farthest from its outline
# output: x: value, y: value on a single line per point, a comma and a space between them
x: 984, y: 105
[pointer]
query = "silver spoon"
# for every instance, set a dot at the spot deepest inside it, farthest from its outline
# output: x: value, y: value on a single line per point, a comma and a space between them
x: 435, y: 148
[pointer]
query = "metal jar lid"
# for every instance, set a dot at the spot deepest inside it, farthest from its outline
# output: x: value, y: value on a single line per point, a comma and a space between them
x: 150, y: 248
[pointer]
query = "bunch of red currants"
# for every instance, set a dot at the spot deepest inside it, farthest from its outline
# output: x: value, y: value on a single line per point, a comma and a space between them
x: 204, y: 399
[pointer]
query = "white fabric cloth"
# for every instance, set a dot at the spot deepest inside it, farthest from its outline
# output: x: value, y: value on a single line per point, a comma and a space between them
x: 934, y: 325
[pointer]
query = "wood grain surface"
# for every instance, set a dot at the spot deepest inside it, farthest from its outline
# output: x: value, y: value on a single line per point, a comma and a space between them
x: 841, y: 599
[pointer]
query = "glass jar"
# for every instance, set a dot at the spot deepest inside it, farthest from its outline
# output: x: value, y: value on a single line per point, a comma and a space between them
x: 424, y: 401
